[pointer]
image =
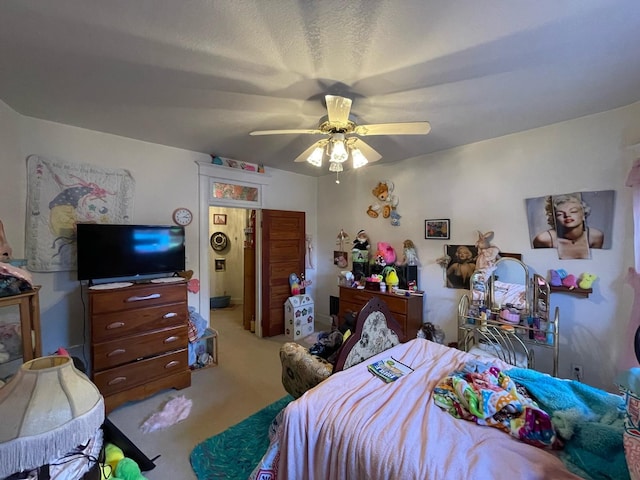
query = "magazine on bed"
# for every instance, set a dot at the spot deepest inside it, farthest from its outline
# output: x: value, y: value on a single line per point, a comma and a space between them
x: 389, y: 369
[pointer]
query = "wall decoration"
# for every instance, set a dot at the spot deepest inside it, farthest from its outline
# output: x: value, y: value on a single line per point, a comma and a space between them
x: 221, y: 264
x: 61, y: 194
x: 219, y: 241
x: 340, y: 259
x: 219, y: 219
x: 437, y: 229
x: 235, y: 191
x: 461, y: 265
x: 572, y: 223
x: 386, y: 203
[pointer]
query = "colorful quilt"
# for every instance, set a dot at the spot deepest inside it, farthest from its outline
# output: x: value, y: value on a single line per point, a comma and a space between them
x: 61, y: 194
x: 484, y: 394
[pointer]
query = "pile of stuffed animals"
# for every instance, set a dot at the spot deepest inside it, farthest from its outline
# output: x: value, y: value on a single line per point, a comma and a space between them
x: 118, y: 467
x: 560, y: 277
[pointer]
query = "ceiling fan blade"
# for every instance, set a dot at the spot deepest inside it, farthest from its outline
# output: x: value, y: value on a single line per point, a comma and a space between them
x: 304, y: 155
x: 281, y: 132
x: 370, y: 154
x: 406, y: 128
x: 338, y: 109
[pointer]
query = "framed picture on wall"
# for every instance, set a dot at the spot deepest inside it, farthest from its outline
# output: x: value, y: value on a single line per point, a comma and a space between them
x: 437, y: 229
x: 219, y: 219
x: 221, y: 264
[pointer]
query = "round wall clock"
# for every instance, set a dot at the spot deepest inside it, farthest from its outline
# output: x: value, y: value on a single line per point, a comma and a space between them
x: 182, y: 216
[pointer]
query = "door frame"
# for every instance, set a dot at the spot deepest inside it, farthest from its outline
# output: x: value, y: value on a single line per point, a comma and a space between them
x: 209, y: 173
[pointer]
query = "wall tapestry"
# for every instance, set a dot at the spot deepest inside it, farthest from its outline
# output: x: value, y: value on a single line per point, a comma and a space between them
x: 61, y: 194
x: 572, y: 223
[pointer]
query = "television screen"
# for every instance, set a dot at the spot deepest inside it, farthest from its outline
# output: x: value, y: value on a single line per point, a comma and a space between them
x: 111, y: 251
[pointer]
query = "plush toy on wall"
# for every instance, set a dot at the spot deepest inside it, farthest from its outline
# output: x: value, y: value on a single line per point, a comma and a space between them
x: 386, y: 202
x: 586, y: 280
x: 487, y: 254
x: 570, y: 281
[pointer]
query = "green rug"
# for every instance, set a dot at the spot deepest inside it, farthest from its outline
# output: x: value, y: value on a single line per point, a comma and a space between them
x: 234, y: 453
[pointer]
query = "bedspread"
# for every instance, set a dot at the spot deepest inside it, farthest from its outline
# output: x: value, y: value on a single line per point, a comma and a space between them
x: 354, y: 426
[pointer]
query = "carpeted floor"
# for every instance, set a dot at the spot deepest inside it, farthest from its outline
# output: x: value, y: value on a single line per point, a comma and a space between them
x: 234, y: 453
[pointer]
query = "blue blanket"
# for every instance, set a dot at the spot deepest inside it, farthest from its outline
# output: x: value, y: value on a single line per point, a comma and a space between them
x: 590, y: 420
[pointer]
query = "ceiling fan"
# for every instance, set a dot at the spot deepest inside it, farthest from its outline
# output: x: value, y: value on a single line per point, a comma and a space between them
x: 343, y: 132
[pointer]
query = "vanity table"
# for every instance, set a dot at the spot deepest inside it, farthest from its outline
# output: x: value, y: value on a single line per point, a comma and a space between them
x: 485, y: 325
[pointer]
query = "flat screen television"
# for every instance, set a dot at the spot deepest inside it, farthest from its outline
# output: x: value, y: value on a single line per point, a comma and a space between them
x: 108, y: 251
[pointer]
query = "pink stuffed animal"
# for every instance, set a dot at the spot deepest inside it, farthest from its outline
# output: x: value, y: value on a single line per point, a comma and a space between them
x: 570, y: 281
x: 487, y: 254
x: 387, y: 252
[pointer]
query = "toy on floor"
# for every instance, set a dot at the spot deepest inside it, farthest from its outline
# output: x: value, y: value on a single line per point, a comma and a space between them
x: 118, y: 467
x: 586, y: 280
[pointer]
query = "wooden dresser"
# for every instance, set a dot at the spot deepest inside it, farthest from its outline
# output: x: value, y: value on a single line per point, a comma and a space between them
x: 407, y: 311
x: 139, y: 340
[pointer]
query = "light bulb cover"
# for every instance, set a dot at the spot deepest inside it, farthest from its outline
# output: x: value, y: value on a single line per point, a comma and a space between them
x: 315, y: 158
x: 339, y: 152
x: 359, y: 160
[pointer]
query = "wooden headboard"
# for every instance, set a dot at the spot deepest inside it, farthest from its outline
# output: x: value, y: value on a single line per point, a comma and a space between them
x: 375, y: 307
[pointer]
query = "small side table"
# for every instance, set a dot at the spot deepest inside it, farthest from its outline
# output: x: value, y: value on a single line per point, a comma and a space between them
x: 29, y: 305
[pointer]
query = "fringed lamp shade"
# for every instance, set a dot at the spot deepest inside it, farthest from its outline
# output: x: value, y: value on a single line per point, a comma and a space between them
x: 47, y: 409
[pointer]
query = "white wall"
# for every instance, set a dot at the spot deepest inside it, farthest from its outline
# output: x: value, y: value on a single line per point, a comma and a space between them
x: 482, y: 187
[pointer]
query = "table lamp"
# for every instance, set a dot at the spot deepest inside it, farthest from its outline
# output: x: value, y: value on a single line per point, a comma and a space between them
x: 47, y: 409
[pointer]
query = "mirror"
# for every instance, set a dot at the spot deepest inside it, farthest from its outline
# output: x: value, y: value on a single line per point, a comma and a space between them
x: 508, y: 285
x: 541, y: 292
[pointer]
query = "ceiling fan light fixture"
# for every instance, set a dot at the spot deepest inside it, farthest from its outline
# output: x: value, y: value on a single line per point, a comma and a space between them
x: 339, y: 152
x: 335, y: 167
x: 315, y: 158
x: 359, y: 160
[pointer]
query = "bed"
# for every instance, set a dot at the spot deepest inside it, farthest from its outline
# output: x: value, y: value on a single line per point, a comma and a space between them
x: 354, y: 426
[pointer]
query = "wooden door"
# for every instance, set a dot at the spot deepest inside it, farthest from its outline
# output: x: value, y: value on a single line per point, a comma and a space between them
x: 249, y: 282
x: 283, y: 243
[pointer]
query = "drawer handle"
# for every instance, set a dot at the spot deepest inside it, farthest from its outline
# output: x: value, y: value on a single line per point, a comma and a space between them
x: 170, y: 339
x: 117, y: 380
x: 170, y: 315
x: 113, y: 325
x: 172, y: 364
x: 118, y: 351
x: 136, y: 298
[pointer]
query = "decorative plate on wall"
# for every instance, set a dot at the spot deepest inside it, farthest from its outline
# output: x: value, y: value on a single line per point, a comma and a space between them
x: 219, y: 241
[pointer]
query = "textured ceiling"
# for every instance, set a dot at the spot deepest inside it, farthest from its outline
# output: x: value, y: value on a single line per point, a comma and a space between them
x: 202, y: 74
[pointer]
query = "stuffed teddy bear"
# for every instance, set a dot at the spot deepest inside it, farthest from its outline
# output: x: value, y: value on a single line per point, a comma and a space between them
x: 586, y: 280
x: 487, y: 253
x: 386, y: 202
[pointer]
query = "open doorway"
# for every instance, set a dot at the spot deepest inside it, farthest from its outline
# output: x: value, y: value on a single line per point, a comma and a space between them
x: 231, y: 261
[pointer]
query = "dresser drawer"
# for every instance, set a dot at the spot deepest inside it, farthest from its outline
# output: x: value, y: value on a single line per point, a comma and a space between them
x: 117, y: 352
x: 108, y: 326
x: 137, y: 373
x: 347, y: 306
x: 396, y: 303
x: 138, y: 296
